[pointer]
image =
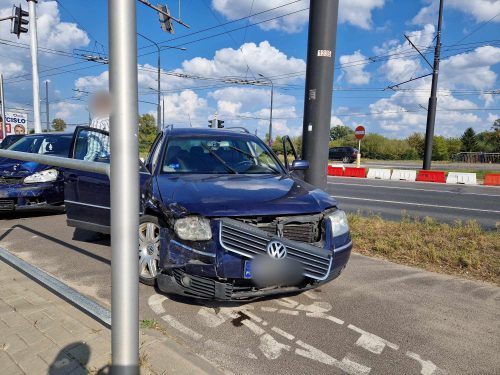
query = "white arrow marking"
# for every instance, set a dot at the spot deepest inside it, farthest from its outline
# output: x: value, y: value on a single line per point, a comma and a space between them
x: 174, y: 323
x: 371, y: 342
x: 156, y: 303
x: 428, y: 368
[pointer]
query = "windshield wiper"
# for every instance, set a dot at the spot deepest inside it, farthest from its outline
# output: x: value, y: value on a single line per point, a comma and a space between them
x: 227, y: 166
x: 255, y: 158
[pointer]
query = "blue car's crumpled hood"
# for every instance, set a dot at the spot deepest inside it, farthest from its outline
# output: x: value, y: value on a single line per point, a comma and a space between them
x: 243, y: 195
x: 18, y: 168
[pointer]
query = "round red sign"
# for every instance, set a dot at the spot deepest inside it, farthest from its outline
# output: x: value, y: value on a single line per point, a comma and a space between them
x: 359, y: 132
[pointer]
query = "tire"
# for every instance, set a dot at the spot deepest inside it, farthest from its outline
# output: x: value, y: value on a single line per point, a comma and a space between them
x: 149, y: 249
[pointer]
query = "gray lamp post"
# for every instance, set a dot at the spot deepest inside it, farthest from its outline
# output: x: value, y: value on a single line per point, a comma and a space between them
x: 271, y: 110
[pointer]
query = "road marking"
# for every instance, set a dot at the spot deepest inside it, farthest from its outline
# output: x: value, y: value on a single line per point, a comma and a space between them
x: 229, y: 349
x: 283, y: 333
x: 414, y: 189
x: 174, y: 323
x: 428, y: 368
x: 269, y: 309
x: 288, y: 312
x: 371, y: 342
x: 418, y: 204
x: 155, y: 302
x: 351, y: 367
x: 311, y: 295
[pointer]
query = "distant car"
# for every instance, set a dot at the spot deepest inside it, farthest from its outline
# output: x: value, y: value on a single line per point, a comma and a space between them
x: 221, y: 216
x: 346, y: 154
x: 29, y: 184
x: 10, y: 140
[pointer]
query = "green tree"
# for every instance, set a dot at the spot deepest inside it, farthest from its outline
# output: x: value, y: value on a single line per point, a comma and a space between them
x: 147, y: 132
x: 340, y: 131
x: 58, y: 124
x: 417, y: 142
x: 469, y: 140
x: 454, y: 146
x: 496, y: 125
x: 439, y: 148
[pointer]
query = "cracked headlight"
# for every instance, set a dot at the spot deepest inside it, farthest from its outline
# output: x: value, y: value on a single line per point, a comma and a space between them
x: 339, y: 223
x: 193, y: 228
x: 43, y: 176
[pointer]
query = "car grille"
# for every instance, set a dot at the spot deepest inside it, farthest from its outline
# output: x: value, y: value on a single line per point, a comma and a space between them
x: 11, y: 180
x: 7, y: 204
x: 302, y: 232
x: 249, y: 241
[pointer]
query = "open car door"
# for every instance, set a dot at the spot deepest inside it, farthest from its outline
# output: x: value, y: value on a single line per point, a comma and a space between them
x: 87, y: 194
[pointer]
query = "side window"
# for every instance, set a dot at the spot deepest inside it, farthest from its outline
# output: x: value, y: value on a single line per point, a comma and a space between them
x: 155, y: 152
x: 91, y: 145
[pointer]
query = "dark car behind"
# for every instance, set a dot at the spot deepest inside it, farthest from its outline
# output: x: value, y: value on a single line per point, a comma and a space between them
x: 29, y: 184
x: 345, y: 154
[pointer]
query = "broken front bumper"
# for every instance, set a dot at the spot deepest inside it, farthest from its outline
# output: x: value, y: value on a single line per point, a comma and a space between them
x: 19, y: 196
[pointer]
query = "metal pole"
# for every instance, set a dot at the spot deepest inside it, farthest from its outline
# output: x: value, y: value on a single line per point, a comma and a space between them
x: 47, y: 104
x: 34, y: 65
x: 271, y: 116
x: 323, y: 15
x: 2, y: 99
x: 124, y: 187
x: 431, y: 109
x: 158, y: 107
x: 163, y: 115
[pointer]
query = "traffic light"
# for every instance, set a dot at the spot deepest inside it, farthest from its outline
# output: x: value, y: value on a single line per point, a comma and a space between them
x: 219, y: 123
x: 211, y: 123
x: 165, y: 21
x: 17, y: 26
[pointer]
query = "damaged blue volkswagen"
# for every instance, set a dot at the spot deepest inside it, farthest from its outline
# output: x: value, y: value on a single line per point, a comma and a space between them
x: 221, y: 216
x: 29, y: 184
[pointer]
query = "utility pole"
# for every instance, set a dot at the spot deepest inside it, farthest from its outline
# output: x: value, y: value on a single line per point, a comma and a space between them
x: 323, y: 15
x: 47, y: 105
x: 271, y: 110
x: 124, y: 187
x: 163, y: 113
x: 158, y: 108
x: 2, y: 99
x: 431, y: 108
x: 34, y: 65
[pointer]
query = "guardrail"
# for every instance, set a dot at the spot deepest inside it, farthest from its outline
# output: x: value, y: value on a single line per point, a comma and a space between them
x: 477, y: 157
x: 56, y: 161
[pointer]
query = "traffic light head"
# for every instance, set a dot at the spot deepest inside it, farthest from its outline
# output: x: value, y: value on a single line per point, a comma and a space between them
x: 19, y: 21
x: 220, y: 124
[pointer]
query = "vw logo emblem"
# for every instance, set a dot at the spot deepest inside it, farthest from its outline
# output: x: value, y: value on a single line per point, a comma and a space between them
x: 276, y: 250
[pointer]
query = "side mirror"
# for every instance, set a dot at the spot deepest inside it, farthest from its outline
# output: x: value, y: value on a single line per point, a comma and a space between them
x: 299, y: 165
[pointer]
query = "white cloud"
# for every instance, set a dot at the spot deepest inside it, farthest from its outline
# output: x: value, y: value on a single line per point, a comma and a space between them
x: 480, y: 10
x: 355, y: 12
x: 354, y: 70
x: 185, y: 107
x: 262, y: 58
x: 67, y: 111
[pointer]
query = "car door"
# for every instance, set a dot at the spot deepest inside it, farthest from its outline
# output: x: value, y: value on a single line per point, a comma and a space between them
x: 87, y: 194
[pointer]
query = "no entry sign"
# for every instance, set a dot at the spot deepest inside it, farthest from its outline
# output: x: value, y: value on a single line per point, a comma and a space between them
x: 359, y: 132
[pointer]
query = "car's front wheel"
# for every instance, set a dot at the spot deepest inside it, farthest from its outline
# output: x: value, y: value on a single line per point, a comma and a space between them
x: 149, y: 249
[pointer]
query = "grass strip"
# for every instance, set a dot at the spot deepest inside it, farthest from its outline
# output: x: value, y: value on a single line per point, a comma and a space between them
x: 463, y: 248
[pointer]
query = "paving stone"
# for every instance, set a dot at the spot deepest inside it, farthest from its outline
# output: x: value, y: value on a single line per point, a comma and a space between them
x: 35, y: 299
x: 63, y: 365
x: 33, y: 365
x: 81, y: 352
x: 60, y: 336
x: 30, y: 334
x: 32, y: 350
x: 14, y: 319
x: 5, y: 308
x: 38, y: 319
x: 5, y: 360
x: 13, y: 343
x: 75, y: 327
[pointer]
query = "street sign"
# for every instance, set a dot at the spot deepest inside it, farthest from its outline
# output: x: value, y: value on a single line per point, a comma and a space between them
x: 359, y: 132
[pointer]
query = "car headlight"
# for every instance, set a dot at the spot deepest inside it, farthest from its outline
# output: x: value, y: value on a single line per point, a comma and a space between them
x: 339, y: 222
x: 43, y: 176
x: 193, y: 228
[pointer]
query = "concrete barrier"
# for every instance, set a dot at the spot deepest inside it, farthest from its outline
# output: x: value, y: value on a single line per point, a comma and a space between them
x: 492, y: 179
x: 403, y: 175
x: 379, y: 174
x: 461, y: 178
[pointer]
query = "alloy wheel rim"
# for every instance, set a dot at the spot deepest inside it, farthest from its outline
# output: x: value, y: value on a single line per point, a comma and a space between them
x: 149, y: 250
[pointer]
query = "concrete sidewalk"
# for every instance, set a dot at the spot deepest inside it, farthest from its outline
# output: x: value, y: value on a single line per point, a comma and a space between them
x: 42, y: 334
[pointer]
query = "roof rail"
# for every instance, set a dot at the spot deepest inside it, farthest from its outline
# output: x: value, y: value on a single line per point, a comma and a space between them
x: 238, y: 128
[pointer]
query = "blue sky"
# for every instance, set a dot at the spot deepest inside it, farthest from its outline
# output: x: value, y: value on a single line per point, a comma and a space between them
x: 371, y: 55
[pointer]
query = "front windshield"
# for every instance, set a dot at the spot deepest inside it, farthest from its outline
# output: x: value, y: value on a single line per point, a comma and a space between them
x: 219, y: 155
x: 48, y: 145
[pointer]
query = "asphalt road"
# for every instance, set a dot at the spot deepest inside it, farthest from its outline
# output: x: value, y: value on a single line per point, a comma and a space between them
x: 392, y: 199
x: 377, y: 318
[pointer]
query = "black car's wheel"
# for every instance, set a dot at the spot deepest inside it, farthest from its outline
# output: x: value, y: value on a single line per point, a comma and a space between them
x: 346, y: 159
x: 149, y: 249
